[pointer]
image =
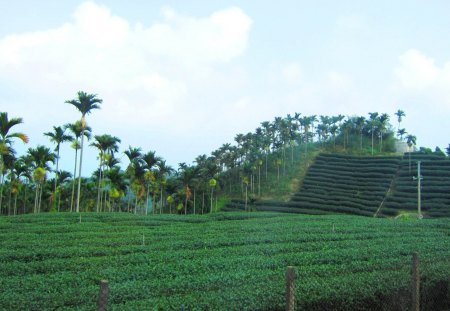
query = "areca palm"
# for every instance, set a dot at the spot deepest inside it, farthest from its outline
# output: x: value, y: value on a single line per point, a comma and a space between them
x: 383, y: 121
x: 150, y: 160
x: 373, y: 121
x: 40, y: 156
x: 6, y: 141
x: 78, y: 130
x: 359, y: 122
x: 107, y: 146
x: 163, y: 171
x: 85, y: 103
x: 400, y: 114
x: 135, y: 157
x: 401, y: 132
x: 58, y: 137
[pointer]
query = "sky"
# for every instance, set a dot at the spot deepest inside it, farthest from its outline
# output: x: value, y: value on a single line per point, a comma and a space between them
x: 184, y: 77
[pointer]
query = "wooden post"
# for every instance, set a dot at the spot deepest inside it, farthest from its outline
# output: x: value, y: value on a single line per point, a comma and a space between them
x: 102, y: 301
x: 290, y: 288
x: 415, y: 282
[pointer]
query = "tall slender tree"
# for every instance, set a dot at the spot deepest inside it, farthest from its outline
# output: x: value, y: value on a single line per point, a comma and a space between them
x: 6, y: 141
x: 85, y: 103
x: 40, y: 156
x: 78, y: 130
x: 107, y: 146
x: 57, y: 137
x: 400, y: 114
x: 373, y: 121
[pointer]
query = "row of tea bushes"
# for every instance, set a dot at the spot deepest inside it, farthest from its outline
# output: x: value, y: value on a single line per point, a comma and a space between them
x: 224, y: 261
x: 435, y: 186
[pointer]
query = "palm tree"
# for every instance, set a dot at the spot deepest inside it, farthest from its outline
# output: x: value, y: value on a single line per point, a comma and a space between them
x: 401, y: 132
x: 411, y: 141
x: 78, y: 130
x: 400, y: 114
x: 107, y: 145
x: 163, y: 171
x: 85, y: 103
x: 58, y: 137
x: 373, y: 121
x: 134, y: 155
x: 360, y: 121
x: 6, y: 141
x: 383, y: 121
x: 187, y: 177
x: 150, y: 160
x: 212, y: 183
x: 40, y: 156
x: 63, y: 178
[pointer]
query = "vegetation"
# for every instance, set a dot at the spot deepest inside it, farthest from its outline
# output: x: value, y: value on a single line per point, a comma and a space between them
x: 225, y: 261
x: 266, y: 164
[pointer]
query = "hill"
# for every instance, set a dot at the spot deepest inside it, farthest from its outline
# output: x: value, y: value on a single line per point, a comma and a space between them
x: 223, y: 261
x: 367, y: 186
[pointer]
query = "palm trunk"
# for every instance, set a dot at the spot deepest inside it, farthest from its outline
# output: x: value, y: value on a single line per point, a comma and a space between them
x: 9, y: 200
x: 135, y: 204
x: 381, y: 141
x: 372, y: 140
x: 360, y: 140
x: 259, y: 180
x: 266, y: 164
x: 74, y: 178
x: 129, y: 201
x: 99, y: 184
x: 15, y: 204
x: 40, y: 198
x: 212, y: 193
x: 146, y: 199
x: 59, y: 200
x: 81, y: 163
x: 56, y: 176
x: 104, y: 200
x: 161, y: 201
x: 24, y: 199
x: 194, y: 201
x: 246, y: 198
x: 36, y: 196
x: 203, y: 202
x: 292, y: 154
x: 185, y: 202
x: 2, y: 178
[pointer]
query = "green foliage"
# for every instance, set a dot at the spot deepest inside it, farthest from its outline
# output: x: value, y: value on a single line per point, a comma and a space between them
x: 223, y: 261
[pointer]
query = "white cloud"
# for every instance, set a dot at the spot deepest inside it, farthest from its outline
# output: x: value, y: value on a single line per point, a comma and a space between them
x: 418, y: 75
x: 416, y: 71
x: 148, y: 76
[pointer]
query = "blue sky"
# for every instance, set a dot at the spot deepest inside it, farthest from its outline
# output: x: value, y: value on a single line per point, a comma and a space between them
x: 184, y: 77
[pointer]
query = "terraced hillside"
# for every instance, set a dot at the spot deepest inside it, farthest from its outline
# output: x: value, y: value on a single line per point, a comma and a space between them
x: 367, y: 186
x: 435, y: 190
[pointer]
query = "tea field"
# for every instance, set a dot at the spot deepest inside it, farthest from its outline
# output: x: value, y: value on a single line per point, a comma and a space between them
x: 223, y: 261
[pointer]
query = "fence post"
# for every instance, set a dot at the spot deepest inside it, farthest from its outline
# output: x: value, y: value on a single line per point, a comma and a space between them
x: 290, y: 288
x: 415, y: 282
x: 102, y: 301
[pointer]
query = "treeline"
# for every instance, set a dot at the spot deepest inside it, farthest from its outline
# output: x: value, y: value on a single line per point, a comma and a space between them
x: 251, y: 167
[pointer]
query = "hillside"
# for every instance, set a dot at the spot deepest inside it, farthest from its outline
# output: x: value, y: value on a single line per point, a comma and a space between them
x: 367, y: 186
x: 222, y: 261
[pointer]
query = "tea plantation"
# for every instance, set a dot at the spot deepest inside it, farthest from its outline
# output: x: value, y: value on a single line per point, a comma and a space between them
x: 223, y: 261
x: 380, y: 186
